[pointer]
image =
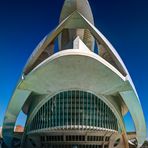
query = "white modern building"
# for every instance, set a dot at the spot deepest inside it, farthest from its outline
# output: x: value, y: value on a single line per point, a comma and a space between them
x: 75, y: 97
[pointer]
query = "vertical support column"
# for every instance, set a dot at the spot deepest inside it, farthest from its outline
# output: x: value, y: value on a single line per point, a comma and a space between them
x: 71, y: 110
x: 34, y: 124
x: 53, y: 111
x: 40, y: 118
x: 45, y: 106
x: 75, y: 108
x: 79, y: 107
x: 94, y: 118
x: 67, y: 94
x: 59, y: 111
x: 83, y: 110
x: 109, y: 120
x: 63, y: 108
x: 38, y: 122
x: 105, y: 116
x: 87, y: 112
x: 56, y: 110
x: 100, y: 113
x: 43, y: 114
x: 48, y: 114
x: 97, y: 110
x: 90, y: 116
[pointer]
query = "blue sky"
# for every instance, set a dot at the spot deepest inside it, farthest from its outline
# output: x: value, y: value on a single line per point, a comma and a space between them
x: 24, y: 23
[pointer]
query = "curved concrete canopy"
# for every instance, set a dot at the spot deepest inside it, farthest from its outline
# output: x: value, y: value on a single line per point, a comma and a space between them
x: 68, y: 62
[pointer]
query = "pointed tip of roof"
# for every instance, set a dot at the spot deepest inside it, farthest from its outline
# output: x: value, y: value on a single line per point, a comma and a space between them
x: 82, y: 6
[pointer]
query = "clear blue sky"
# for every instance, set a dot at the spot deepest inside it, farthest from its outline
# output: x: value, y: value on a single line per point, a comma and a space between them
x: 23, y: 23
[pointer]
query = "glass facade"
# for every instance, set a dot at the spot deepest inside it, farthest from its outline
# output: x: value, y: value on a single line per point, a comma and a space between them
x: 74, y: 109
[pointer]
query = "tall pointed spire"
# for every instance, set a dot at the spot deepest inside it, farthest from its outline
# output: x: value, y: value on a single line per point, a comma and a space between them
x: 68, y: 35
x: 82, y: 6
